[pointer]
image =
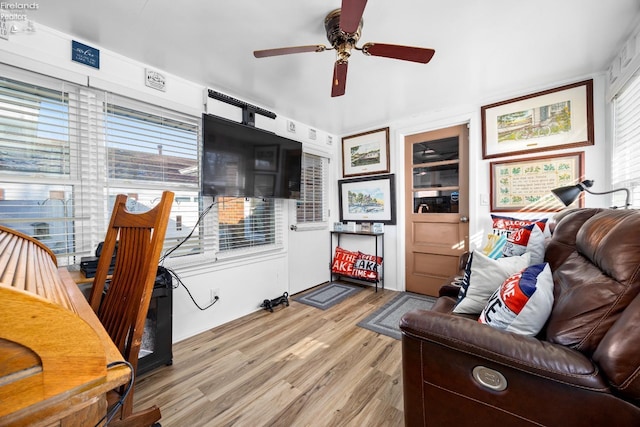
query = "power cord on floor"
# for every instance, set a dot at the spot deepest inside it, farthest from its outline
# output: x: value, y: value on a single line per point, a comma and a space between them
x: 110, y: 414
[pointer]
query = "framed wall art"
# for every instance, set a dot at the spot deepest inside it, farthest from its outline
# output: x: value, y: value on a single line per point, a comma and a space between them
x: 368, y: 199
x: 526, y: 184
x: 548, y: 120
x: 366, y: 153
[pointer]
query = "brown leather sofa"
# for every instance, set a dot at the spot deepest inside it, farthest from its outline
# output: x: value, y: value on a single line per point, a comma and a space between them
x: 583, y: 368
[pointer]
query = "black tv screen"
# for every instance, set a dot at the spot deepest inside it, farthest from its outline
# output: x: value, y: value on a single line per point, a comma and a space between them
x: 245, y: 161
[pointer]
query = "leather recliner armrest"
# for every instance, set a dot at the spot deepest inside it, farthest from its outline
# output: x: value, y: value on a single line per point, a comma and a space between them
x: 524, y: 353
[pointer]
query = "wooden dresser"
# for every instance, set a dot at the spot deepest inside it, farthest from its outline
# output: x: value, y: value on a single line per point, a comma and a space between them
x: 54, y: 352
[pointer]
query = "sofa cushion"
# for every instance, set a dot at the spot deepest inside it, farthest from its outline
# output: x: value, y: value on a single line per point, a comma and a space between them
x: 505, y: 225
x: 522, y: 303
x: 563, y: 242
x: 597, y: 281
x: 486, y: 275
x: 494, y: 246
x: 528, y: 238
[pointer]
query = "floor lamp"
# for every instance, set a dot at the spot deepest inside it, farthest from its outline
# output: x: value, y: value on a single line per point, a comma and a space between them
x: 570, y: 193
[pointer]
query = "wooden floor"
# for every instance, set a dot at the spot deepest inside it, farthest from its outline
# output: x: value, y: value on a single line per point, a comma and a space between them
x: 298, y: 366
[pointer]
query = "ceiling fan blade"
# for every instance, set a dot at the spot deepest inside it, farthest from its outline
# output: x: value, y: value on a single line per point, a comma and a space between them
x: 289, y: 50
x: 351, y: 14
x: 339, y: 82
x: 406, y: 53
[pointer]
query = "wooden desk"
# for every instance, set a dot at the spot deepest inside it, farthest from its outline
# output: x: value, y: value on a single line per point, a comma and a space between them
x: 54, y: 351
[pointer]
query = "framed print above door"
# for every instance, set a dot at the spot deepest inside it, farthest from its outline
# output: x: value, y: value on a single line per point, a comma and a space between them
x: 549, y: 120
x: 366, y: 153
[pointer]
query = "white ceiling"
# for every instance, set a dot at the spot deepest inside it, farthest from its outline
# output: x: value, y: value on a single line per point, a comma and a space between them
x: 486, y: 50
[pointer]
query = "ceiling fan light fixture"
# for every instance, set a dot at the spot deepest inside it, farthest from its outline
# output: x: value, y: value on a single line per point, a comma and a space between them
x: 343, y: 29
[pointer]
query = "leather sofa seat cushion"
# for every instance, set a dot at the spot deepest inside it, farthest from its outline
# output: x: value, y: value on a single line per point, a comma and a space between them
x: 597, y: 281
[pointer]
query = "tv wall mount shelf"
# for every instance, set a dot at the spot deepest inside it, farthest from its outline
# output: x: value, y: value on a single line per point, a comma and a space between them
x: 249, y: 111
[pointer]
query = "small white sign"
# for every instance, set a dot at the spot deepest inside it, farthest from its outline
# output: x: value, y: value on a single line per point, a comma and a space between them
x: 155, y: 80
x: 312, y: 134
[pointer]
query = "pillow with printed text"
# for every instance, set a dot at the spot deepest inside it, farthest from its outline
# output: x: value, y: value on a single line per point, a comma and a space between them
x: 343, y: 261
x: 522, y: 303
x: 485, y: 276
x: 367, y: 267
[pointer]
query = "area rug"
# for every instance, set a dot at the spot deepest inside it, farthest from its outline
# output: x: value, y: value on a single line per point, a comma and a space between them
x: 386, y: 320
x: 328, y: 295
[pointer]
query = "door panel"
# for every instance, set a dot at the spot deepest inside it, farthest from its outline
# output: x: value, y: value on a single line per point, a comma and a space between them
x: 437, y: 207
x: 309, y: 258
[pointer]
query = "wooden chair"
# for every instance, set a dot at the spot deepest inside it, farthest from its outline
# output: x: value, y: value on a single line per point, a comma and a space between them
x: 123, y: 308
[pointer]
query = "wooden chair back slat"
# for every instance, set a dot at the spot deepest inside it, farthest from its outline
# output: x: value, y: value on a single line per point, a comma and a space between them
x: 139, y: 238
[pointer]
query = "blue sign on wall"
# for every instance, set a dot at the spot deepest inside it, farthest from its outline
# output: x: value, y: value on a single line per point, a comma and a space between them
x: 85, y: 54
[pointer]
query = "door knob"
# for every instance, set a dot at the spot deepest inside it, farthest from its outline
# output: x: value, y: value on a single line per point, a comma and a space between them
x: 464, y: 219
x: 293, y: 227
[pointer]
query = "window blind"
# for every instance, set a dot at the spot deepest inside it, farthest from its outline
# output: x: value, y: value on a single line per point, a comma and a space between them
x: 149, y: 149
x: 39, y: 183
x: 67, y: 150
x: 312, y: 206
x: 625, y: 169
x: 247, y: 224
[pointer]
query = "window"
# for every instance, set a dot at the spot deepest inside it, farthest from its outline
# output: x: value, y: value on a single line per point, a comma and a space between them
x: 39, y: 180
x: 66, y: 151
x: 247, y: 223
x: 148, y: 150
x: 312, y: 206
x: 625, y: 170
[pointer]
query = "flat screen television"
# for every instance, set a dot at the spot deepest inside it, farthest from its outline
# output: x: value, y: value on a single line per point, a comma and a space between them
x: 244, y: 161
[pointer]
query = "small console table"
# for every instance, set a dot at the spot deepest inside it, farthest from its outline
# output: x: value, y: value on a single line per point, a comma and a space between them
x: 380, y: 245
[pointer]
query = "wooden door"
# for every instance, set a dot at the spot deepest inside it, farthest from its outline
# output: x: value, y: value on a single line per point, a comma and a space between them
x: 437, y: 207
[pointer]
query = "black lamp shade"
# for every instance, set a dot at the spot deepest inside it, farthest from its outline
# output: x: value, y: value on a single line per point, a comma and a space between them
x: 568, y: 194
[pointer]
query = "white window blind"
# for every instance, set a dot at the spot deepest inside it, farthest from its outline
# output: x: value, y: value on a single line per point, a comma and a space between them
x: 625, y: 168
x: 66, y: 151
x: 150, y: 149
x: 248, y: 224
x: 38, y: 165
x: 312, y: 206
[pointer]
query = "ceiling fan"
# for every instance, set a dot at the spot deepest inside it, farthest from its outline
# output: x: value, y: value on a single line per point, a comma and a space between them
x: 344, y: 27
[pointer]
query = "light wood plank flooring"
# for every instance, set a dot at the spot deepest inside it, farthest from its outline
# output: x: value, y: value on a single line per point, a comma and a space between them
x: 298, y: 366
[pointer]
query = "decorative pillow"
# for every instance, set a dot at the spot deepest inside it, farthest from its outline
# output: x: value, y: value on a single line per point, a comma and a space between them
x: 367, y: 267
x: 343, y: 261
x: 495, y: 245
x: 466, y: 279
x: 528, y: 238
x: 485, y: 277
x: 506, y: 224
x: 522, y: 304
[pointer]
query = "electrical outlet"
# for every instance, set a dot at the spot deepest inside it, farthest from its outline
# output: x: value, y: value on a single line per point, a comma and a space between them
x: 214, y: 294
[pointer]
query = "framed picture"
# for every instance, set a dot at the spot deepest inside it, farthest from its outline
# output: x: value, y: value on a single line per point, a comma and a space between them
x: 366, y: 153
x: 526, y: 184
x: 266, y: 158
x: 549, y: 120
x: 368, y: 199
